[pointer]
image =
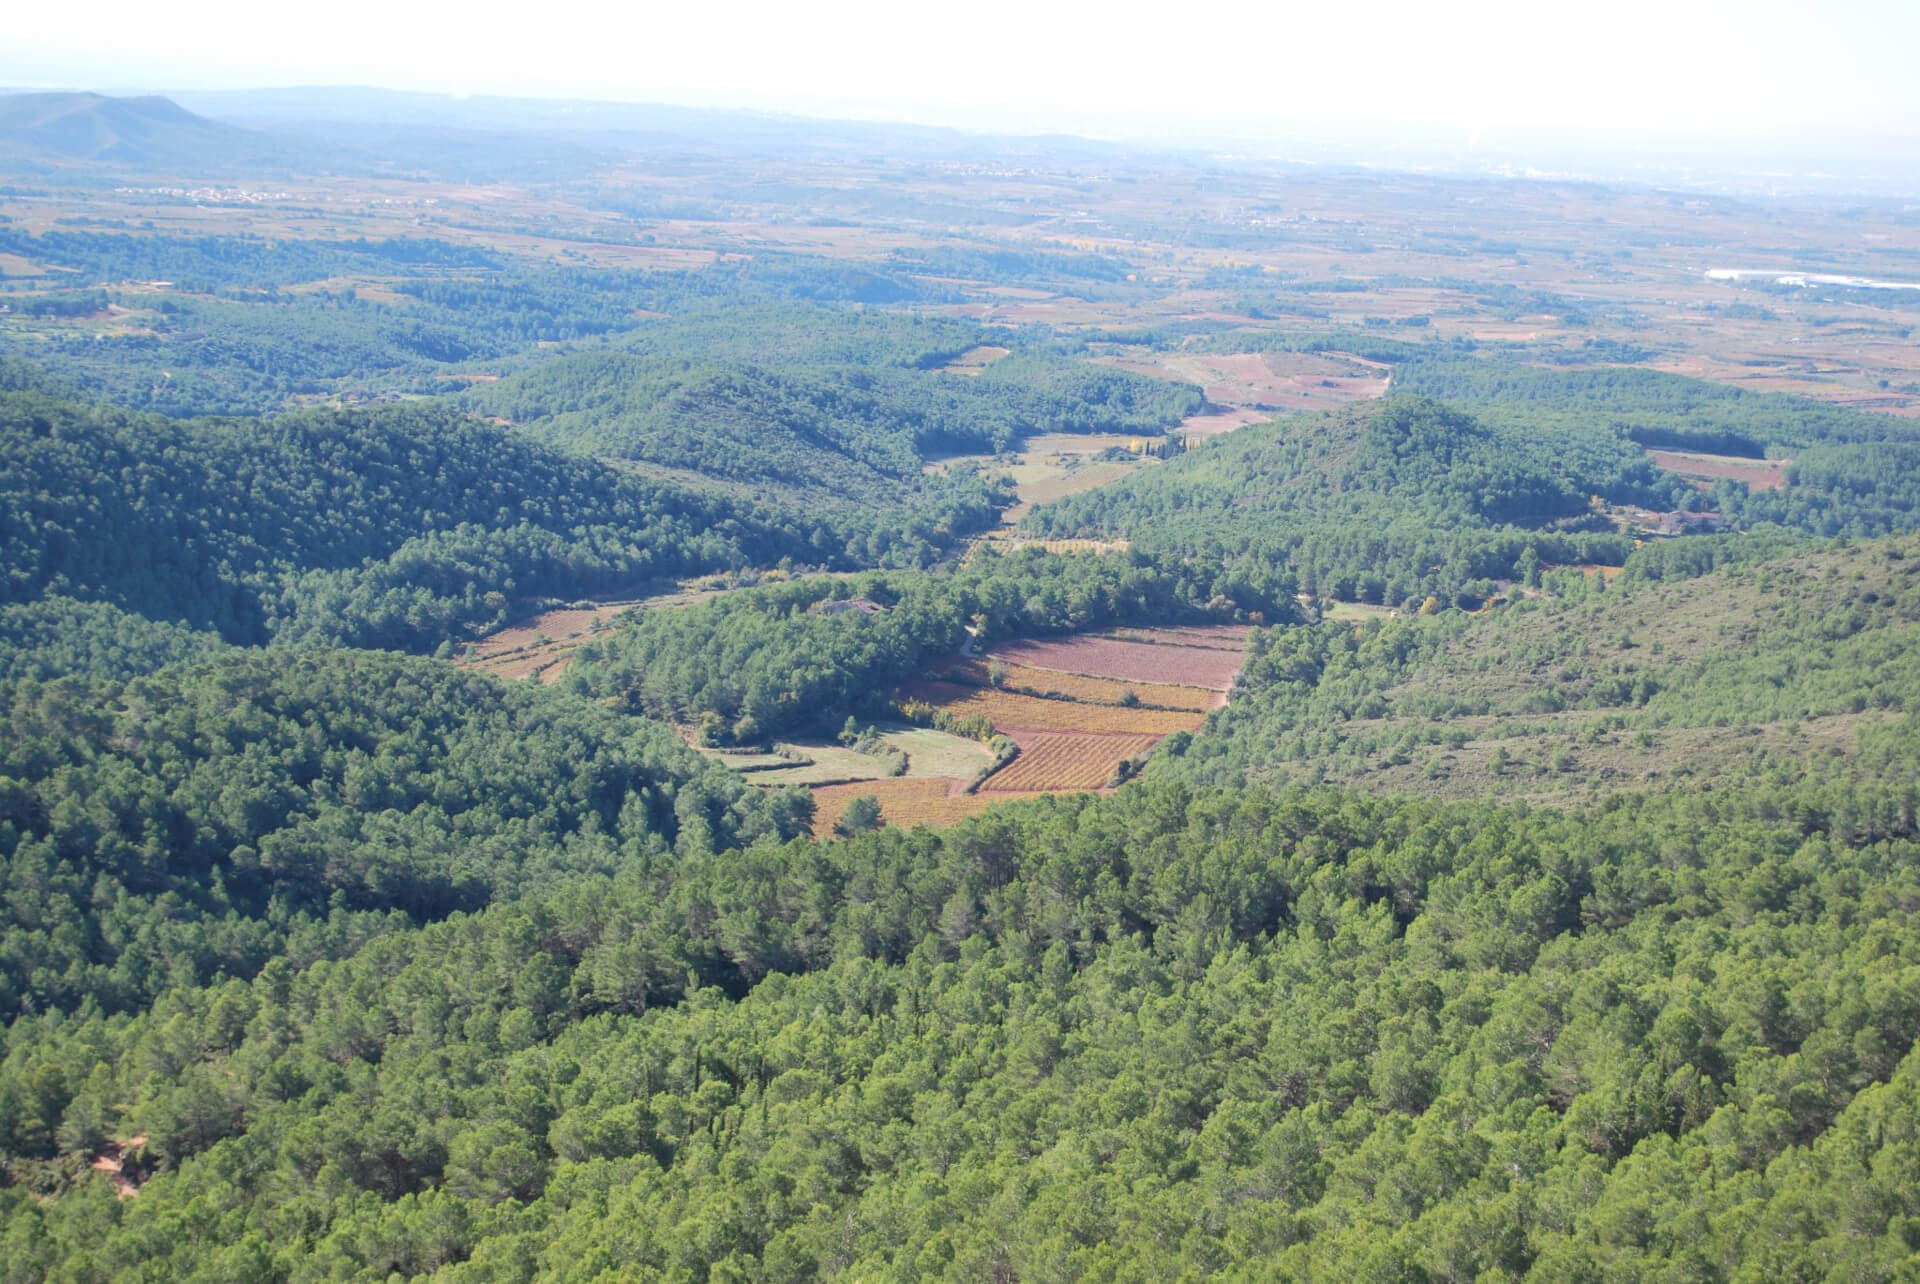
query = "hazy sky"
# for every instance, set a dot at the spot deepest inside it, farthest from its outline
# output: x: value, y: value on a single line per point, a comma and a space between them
x: 1686, y: 68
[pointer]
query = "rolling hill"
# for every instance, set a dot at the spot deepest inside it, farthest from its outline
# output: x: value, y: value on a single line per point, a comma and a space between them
x: 1796, y: 664
x: 146, y: 133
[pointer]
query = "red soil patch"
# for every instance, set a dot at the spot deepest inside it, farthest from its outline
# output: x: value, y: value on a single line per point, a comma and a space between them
x: 1108, y: 657
x: 1759, y: 474
x: 1221, y: 637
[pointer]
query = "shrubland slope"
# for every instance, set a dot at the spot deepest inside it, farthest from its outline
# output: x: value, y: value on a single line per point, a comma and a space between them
x: 1753, y: 668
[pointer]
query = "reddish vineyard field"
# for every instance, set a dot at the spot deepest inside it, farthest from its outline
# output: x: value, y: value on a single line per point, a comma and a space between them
x: 1011, y: 712
x: 1222, y: 637
x: 1064, y: 760
x: 1208, y: 666
x: 1023, y: 679
x: 904, y: 801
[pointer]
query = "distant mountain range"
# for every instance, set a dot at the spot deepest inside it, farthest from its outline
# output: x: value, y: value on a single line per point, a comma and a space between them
x: 146, y: 133
x: 360, y: 131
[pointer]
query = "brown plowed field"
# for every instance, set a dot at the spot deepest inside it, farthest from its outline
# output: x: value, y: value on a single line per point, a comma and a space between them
x: 1054, y: 760
x: 1010, y: 712
x: 1107, y: 657
x: 904, y: 801
x: 1759, y: 474
x: 1023, y: 680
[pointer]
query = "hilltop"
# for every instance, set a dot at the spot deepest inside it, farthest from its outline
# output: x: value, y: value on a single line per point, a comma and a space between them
x: 146, y: 133
x: 1387, y: 502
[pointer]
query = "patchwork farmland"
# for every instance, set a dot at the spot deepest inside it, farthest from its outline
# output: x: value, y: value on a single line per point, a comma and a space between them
x: 1080, y: 707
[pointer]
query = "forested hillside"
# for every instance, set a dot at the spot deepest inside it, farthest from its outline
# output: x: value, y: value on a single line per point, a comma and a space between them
x: 398, y: 527
x: 1652, y: 407
x: 199, y: 822
x: 1164, y: 1032
x: 1387, y: 503
x: 859, y: 433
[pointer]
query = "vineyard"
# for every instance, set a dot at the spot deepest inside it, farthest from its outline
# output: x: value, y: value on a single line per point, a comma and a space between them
x: 1214, y: 637
x: 1010, y: 712
x: 904, y: 801
x: 1187, y: 657
x: 1025, y: 680
x: 1056, y: 760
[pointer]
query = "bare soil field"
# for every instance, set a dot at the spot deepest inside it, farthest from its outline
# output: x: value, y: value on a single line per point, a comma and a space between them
x: 1220, y: 637
x: 1051, y: 683
x: 1198, y: 665
x: 541, y: 647
x: 1760, y: 474
x: 1252, y: 387
x: 974, y: 360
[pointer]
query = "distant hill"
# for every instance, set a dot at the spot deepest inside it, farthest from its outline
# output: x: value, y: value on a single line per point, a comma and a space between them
x: 133, y: 133
x: 1389, y: 502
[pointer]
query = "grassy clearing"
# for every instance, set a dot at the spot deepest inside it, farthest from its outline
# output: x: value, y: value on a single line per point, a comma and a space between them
x: 931, y: 754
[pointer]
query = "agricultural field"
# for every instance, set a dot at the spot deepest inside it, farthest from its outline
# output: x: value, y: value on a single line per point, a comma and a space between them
x: 541, y: 647
x: 1760, y: 474
x: 904, y: 801
x: 1010, y: 712
x: 1218, y: 637
x: 1252, y: 387
x: 1075, y: 729
x: 1192, y: 658
x: 976, y: 359
x: 1053, y: 760
x: 930, y: 754
x: 1025, y: 680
